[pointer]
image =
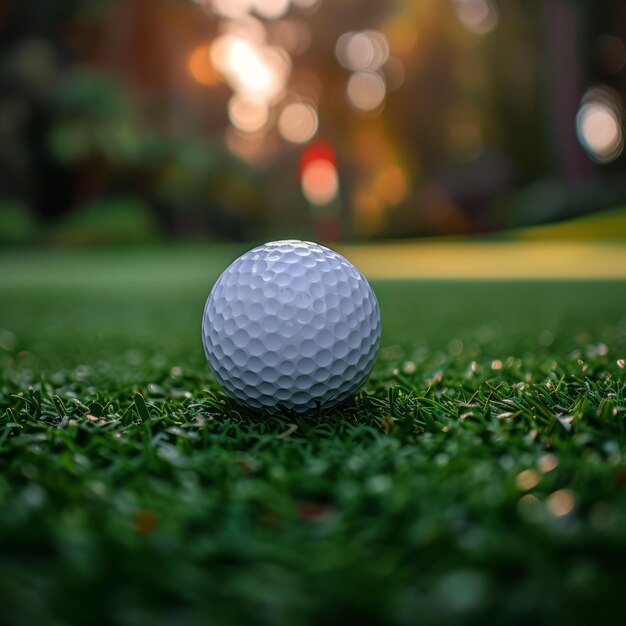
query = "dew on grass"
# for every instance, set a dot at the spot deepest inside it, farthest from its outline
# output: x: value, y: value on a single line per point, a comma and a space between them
x: 155, y: 390
x: 593, y: 351
x: 82, y: 372
x: 565, y: 421
x: 471, y: 369
x: 408, y: 367
x: 437, y: 378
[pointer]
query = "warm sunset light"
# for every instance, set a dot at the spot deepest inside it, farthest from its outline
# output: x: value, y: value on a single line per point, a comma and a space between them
x: 312, y: 312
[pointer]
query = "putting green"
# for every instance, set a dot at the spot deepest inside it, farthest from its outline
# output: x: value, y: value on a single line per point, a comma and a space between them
x: 491, y: 260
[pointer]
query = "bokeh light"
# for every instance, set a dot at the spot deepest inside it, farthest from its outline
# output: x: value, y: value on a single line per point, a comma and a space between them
x: 257, y: 71
x: 270, y: 9
x: 318, y: 173
x: 394, y: 73
x: 478, y: 16
x: 390, y: 184
x: 291, y: 34
x: 364, y: 50
x: 308, y: 5
x: 320, y: 182
x: 249, y: 147
x: 246, y: 27
x: 231, y: 8
x: 298, y: 122
x: 247, y: 115
x: 599, y: 125
x: 200, y: 68
x: 561, y: 502
x: 366, y: 90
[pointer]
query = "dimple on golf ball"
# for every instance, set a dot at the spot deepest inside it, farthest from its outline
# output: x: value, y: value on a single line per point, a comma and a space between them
x: 291, y: 325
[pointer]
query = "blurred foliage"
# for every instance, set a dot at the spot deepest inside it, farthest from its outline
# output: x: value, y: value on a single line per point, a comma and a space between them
x: 97, y: 99
x: 188, y: 181
x: 95, y: 117
x: 16, y: 223
x: 107, y: 220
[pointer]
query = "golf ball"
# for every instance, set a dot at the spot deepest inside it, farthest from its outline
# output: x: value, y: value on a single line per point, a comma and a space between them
x: 291, y: 325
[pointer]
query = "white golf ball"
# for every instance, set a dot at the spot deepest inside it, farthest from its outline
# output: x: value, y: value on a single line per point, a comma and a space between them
x: 291, y: 325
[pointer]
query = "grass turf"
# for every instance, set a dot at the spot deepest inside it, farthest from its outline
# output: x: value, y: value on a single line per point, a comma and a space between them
x: 479, y: 477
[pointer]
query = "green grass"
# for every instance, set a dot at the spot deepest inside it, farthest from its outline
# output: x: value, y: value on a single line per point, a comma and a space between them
x: 133, y: 491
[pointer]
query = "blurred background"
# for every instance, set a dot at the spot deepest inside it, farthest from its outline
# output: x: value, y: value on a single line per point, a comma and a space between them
x: 139, y: 120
